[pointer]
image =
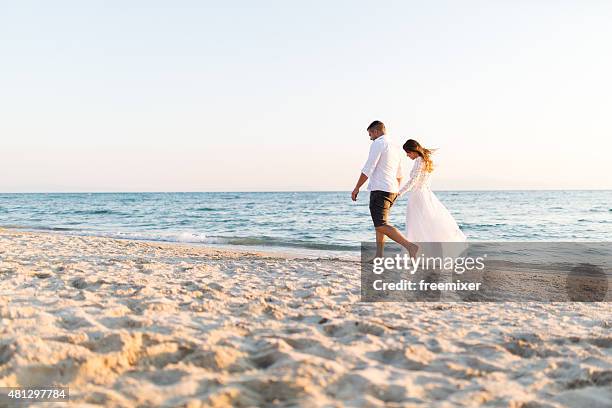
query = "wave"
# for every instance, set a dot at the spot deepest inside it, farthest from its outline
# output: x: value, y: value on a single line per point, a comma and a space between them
x: 594, y: 221
x: 476, y: 226
x: 42, y: 228
x: 198, y: 238
x: 286, y: 243
x: 92, y: 212
x: 596, y: 210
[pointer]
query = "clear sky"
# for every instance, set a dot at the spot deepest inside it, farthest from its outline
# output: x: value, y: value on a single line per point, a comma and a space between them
x: 276, y: 95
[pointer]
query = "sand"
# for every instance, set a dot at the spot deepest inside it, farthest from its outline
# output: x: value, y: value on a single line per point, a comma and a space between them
x: 127, y: 323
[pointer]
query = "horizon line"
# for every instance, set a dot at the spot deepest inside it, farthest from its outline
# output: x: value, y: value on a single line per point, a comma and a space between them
x: 287, y: 191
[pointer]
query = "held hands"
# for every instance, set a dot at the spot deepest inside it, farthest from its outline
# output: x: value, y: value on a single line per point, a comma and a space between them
x: 354, y: 194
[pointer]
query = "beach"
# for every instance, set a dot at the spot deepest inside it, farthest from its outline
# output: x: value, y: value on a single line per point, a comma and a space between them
x: 127, y: 323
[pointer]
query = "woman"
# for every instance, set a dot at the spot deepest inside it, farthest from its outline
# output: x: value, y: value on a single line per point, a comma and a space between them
x: 427, y: 220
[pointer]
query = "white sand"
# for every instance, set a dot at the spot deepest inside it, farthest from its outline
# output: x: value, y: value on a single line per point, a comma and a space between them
x: 126, y: 323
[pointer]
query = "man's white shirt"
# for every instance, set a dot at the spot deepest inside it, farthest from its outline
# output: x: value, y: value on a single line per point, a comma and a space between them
x: 385, y: 165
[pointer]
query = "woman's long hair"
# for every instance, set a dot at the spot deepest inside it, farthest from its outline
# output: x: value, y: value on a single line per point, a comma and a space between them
x: 412, y: 145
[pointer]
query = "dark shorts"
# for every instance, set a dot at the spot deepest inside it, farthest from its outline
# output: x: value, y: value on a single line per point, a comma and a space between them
x: 380, y: 204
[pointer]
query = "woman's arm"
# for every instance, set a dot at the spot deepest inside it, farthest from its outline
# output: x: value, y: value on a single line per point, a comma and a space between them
x: 415, y: 176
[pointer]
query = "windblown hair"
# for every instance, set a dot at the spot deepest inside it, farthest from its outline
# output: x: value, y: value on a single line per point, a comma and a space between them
x: 377, y: 125
x: 412, y: 145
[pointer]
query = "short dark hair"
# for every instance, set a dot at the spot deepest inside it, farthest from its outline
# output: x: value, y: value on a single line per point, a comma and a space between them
x: 377, y: 125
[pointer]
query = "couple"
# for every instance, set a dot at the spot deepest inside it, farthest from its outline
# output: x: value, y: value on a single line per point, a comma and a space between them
x: 427, y: 220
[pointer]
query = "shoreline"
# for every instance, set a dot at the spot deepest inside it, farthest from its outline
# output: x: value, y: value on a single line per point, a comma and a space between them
x: 127, y: 323
x: 225, y: 249
x: 269, y: 250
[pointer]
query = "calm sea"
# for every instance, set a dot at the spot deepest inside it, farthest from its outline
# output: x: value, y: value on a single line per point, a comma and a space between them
x: 321, y: 221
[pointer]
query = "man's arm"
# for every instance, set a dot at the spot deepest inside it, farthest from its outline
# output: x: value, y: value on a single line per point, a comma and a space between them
x: 362, y: 179
x: 368, y: 168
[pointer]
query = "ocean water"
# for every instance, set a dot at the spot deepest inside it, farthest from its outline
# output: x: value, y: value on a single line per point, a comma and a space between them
x: 320, y: 221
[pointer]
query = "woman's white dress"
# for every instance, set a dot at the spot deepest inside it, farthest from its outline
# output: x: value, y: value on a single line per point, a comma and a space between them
x: 427, y: 219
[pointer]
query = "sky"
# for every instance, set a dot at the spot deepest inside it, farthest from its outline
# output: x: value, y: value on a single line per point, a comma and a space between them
x: 276, y: 95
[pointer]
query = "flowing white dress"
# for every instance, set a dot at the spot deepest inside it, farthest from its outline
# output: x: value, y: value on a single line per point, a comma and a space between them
x: 427, y: 219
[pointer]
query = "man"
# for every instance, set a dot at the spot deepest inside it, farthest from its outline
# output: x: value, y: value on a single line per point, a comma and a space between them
x: 384, y: 169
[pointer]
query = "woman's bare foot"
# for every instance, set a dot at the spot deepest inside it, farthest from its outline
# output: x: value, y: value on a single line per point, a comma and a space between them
x: 371, y: 260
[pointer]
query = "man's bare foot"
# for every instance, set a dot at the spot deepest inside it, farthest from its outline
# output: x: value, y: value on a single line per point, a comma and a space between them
x: 413, y: 250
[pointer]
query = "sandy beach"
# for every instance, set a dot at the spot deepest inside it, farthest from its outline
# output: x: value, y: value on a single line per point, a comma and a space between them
x: 130, y: 323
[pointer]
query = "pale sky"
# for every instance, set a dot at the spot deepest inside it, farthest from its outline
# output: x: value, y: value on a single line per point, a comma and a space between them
x: 276, y: 95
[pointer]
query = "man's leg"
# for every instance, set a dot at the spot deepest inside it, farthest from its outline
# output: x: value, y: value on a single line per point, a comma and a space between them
x: 394, y: 234
x: 380, y: 205
x: 380, y: 244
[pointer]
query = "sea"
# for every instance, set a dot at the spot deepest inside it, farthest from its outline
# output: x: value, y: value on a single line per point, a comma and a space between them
x: 316, y: 222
